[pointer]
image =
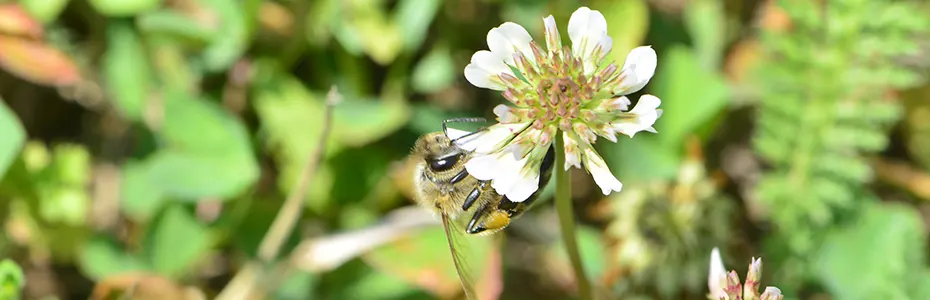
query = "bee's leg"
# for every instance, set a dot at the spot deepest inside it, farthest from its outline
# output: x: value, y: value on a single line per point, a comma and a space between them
x: 473, y: 226
x: 488, y: 220
x: 459, y: 176
x: 470, y: 199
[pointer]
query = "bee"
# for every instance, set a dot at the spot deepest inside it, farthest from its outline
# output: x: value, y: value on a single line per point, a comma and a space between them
x: 444, y: 185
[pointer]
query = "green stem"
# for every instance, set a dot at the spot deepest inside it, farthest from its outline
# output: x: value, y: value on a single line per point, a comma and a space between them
x: 563, y: 204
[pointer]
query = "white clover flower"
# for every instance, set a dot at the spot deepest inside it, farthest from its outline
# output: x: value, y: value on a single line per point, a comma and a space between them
x: 726, y: 286
x: 717, y: 277
x: 567, y: 90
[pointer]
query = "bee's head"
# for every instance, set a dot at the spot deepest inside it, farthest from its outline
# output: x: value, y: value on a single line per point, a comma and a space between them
x: 438, y: 152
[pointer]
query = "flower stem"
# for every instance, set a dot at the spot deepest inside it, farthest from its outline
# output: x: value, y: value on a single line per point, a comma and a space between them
x: 563, y: 204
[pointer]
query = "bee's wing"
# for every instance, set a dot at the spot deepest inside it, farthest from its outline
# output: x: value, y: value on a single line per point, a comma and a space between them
x: 453, y: 235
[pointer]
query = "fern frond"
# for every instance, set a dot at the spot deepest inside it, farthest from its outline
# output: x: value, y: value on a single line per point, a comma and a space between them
x: 825, y: 105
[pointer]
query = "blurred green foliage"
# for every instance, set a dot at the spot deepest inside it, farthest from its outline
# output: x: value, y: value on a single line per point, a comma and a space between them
x: 147, y: 145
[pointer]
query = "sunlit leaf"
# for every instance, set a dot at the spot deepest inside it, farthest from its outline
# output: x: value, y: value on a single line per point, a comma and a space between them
x: 215, y: 160
x: 231, y: 39
x: 126, y: 70
x: 13, y: 137
x: 197, y: 176
x: 359, y: 122
x: 627, y: 24
x: 46, y: 11
x: 423, y: 259
x: 12, y: 279
x: 298, y: 286
x: 101, y: 257
x: 591, y: 249
x: 434, y: 72
x: 170, y: 22
x: 876, y: 257
x: 413, y: 17
x: 373, y: 285
x: 139, y: 197
x: 124, y: 8
x: 16, y: 21
x: 321, y: 20
x: 176, y: 241
x: 691, y: 95
x: 641, y: 159
x: 37, y: 62
x: 706, y: 22
x: 64, y: 205
x: 292, y: 121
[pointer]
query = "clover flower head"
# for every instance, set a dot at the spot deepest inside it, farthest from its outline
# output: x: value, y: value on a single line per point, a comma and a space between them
x: 564, y: 90
x: 726, y: 286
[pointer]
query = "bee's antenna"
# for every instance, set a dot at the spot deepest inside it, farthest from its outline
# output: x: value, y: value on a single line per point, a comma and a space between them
x: 445, y: 128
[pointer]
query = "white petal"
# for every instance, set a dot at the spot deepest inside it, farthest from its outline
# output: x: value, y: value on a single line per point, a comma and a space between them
x: 601, y: 173
x: 523, y: 188
x: 505, y: 114
x: 588, y: 31
x: 716, y: 275
x: 646, y: 112
x: 621, y: 103
x: 637, y: 70
x: 492, y: 139
x: 608, y: 133
x: 507, y: 39
x: 572, y: 153
x: 553, y: 39
x: 509, y: 180
x: 771, y: 293
x: 453, y: 133
x: 484, y: 167
x: 484, y: 69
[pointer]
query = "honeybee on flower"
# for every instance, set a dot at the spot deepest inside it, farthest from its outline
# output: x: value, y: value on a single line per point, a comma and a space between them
x: 567, y: 90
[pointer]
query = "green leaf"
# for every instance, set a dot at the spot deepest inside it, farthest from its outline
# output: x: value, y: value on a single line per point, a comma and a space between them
x: 376, y: 285
x: 126, y: 70
x: 413, y: 18
x: 706, y: 22
x: 65, y: 205
x: 232, y: 38
x: 641, y: 159
x: 428, y: 118
x: 427, y: 252
x: 124, y: 8
x: 170, y: 22
x: 322, y: 19
x: 358, y: 122
x: 434, y: 72
x: 298, y: 286
x: 215, y: 160
x: 630, y: 21
x: 197, y: 125
x: 876, y: 257
x: 195, y: 176
x: 140, y: 198
x: 72, y: 164
x: 691, y: 95
x: 13, y: 137
x: 176, y: 241
x: 12, y: 279
x: 46, y: 11
x: 291, y: 121
x: 102, y: 257
x: 591, y: 249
